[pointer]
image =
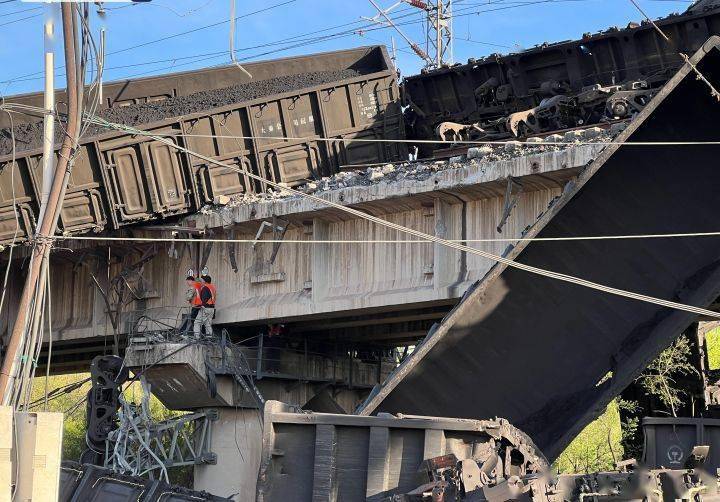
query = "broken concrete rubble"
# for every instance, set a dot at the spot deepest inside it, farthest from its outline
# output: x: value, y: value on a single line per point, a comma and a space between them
x: 423, y: 169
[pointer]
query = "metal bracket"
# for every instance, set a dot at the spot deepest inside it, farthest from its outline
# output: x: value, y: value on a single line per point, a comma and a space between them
x: 513, y: 190
x: 278, y: 227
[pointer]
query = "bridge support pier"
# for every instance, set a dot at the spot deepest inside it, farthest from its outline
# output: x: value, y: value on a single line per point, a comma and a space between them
x: 237, y: 442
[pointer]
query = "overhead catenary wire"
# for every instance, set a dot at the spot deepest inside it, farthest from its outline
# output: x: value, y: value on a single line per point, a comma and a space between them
x: 499, y: 259
x: 478, y: 142
x: 373, y: 28
x: 382, y: 241
x: 231, y: 39
x: 293, y: 39
x: 713, y: 92
x: 470, y: 143
x: 204, y: 27
x: 20, y: 19
x: 12, y: 13
x: 162, y: 39
x: 60, y: 391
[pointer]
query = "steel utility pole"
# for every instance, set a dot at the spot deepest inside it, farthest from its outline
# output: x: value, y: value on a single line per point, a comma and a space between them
x: 438, y: 34
x: 34, y: 289
x: 49, y: 119
x: 439, y: 37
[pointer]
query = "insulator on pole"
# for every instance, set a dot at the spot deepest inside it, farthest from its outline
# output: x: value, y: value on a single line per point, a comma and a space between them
x: 419, y: 4
x: 416, y: 48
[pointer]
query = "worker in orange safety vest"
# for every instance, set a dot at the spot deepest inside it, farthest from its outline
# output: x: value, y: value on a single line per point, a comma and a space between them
x: 192, y: 295
x: 206, y: 296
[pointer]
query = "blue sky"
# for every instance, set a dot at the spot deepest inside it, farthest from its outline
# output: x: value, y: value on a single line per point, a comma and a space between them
x: 486, y: 26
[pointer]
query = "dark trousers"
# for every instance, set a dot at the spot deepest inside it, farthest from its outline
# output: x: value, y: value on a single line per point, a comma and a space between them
x: 189, y: 320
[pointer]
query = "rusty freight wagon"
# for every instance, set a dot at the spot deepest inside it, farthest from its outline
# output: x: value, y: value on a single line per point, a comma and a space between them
x: 270, y: 125
x: 602, y: 76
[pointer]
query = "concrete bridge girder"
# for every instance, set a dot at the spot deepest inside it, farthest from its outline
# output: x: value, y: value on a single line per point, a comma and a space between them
x: 317, y: 283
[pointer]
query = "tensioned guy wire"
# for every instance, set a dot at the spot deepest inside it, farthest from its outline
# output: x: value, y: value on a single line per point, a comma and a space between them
x: 382, y: 241
x: 425, y: 141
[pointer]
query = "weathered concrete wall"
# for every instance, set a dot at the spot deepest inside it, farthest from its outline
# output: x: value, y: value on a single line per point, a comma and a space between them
x: 315, y: 280
x: 237, y: 441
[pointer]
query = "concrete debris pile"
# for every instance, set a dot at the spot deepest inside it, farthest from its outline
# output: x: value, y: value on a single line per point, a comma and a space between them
x: 29, y: 136
x: 424, y: 169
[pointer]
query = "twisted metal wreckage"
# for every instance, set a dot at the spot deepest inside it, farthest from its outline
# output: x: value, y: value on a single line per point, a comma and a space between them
x: 377, y: 456
x: 620, y: 337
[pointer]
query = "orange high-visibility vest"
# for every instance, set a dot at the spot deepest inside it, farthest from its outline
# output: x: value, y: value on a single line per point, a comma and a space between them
x: 213, y: 293
x: 196, y: 301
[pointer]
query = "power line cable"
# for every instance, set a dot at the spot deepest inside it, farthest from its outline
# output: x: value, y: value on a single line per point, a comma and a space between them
x: 23, y: 78
x: 50, y: 339
x: 6, y: 14
x: 13, y: 167
x: 438, y: 141
x: 352, y: 32
x: 93, y: 238
x: 366, y: 28
x: 20, y: 19
x: 195, y: 30
x: 299, y: 40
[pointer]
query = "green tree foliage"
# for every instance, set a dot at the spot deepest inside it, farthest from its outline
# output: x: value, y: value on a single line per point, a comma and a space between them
x: 73, y: 404
x: 597, y: 447
x: 713, y: 348
x: 660, y: 378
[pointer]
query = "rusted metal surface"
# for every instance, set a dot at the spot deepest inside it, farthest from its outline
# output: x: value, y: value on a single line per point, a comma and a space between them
x: 81, y: 483
x: 404, y: 288
x: 583, y: 73
x: 161, y: 88
x: 321, y: 456
x: 449, y: 479
x: 120, y: 180
x: 536, y: 350
x: 409, y: 458
x: 669, y: 442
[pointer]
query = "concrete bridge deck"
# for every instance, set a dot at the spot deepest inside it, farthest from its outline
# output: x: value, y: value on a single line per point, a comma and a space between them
x: 368, y: 293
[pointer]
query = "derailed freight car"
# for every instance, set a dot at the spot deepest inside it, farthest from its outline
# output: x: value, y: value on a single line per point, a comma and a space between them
x: 405, y: 458
x: 607, y: 75
x: 323, y: 456
x: 271, y: 130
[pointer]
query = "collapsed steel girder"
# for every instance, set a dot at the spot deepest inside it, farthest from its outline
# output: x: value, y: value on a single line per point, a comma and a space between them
x: 536, y: 350
x: 140, y: 446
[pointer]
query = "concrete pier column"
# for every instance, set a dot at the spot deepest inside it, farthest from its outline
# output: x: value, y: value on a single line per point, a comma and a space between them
x: 237, y: 442
x: 320, y: 261
x: 448, y: 264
